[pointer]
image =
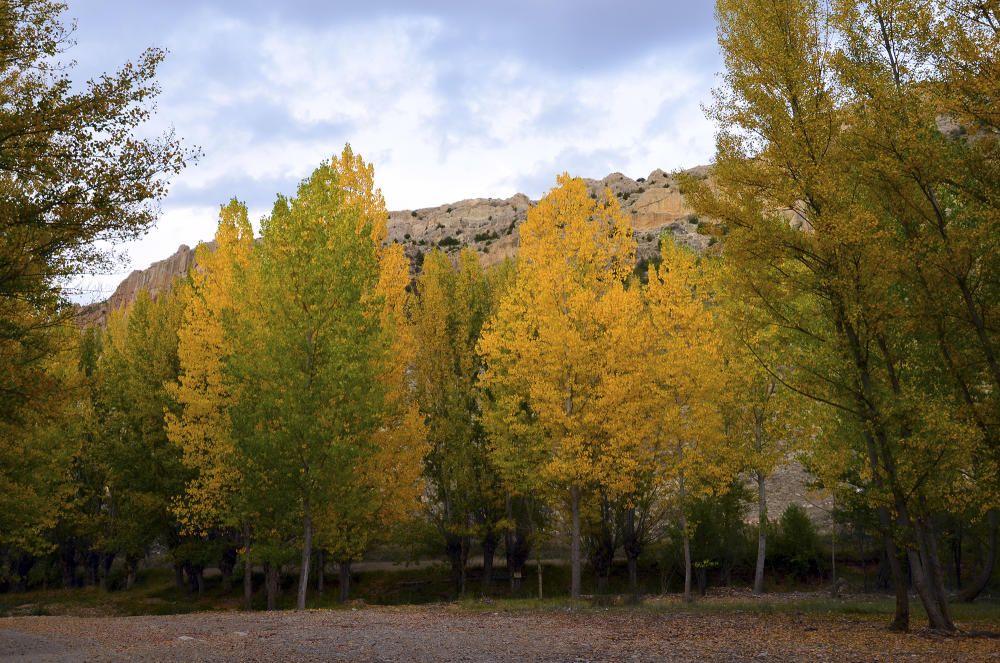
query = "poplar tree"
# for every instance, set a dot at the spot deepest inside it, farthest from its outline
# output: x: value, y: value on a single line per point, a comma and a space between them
x: 810, y: 243
x: 319, y: 351
x: 451, y: 304
x: 543, y: 349
x: 217, y: 495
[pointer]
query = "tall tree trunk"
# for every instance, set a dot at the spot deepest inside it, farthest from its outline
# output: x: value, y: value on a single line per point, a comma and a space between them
x: 107, y: 559
x: 538, y: 561
x: 900, y: 583
x: 508, y: 543
x: 344, y: 577
x: 758, y: 577
x: 986, y: 573
x: 132, y: 567
x: 272, y: 578
x: 67, y: 556
x: 247, y: 580
x: 956, y: 555
x: 574, y: 546
x: 178, y: 576
x: 455, y: 550
x: 226, y: 566
x: 489, y: 548
x: 921, y: 573
x: 688, y: 597
x: 307, y: 533
x: 320, y: 570
x: 633, y: 547
x: 936, y: 568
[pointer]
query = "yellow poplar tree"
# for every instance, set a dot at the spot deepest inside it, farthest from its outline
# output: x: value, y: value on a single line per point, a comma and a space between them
x: 682, y: 416
x: 543, y: 349
x: 215, y: 495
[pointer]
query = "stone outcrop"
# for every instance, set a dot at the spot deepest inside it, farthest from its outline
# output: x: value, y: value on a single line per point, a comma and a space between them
x: 156, y: 278
x: 488, y: 225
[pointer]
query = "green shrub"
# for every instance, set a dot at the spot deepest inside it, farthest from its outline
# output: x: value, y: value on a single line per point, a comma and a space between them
x: 795, y: 548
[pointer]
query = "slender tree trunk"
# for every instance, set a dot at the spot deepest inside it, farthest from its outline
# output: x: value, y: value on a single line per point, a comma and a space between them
x: 272, y: 577
x: 900, y: 584
x: 132, y: 567
x: 758, y: 578
x: 247, y: 580
x: 538, y: 561
x: 455, y: 549
x: 864, y: 560
x: 956, y: 556
x: 489, y: 548
x: 508, y: 542
x: 632, y: 550
x: 226, y: 566
x: 107, y: 559
x: 834, y: 588
x: 574, y: 547
x: 320, y: 570
x: 67, y: 556
x: 986, y: 573
x: 688, y: 597
x: 300, y: 603
x: 344, y: 571
x: 178, y: 576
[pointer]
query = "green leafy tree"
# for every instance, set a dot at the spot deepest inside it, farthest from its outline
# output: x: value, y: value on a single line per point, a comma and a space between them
x: 142, y: 472
x: 451, y: 304
x: 73, y: 170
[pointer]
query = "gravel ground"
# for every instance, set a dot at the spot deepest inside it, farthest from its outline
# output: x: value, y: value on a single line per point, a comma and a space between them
x: 445, y: 633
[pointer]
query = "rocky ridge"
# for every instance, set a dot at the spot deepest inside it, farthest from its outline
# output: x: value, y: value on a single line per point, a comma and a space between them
x: 488, y: 225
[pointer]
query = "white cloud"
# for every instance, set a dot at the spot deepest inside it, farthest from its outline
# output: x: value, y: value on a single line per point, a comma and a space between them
x: 440, y: 121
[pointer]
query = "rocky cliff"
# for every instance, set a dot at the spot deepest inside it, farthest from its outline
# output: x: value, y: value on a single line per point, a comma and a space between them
x: 489, y: 225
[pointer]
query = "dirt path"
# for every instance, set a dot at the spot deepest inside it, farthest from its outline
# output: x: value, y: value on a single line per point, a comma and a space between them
x: 444, y: 633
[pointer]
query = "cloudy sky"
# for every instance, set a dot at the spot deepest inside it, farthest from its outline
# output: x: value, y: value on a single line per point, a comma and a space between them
x: 450, y: 99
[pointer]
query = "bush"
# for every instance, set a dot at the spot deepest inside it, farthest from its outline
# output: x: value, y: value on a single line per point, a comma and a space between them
x: 449, y: 241
x: 795, y: 549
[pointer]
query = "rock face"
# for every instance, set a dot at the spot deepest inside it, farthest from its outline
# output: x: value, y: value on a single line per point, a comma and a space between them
x: 156, y: 278
x: 488, y: 225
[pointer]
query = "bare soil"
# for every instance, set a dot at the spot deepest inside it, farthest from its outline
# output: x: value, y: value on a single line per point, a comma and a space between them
x: 451, y: 633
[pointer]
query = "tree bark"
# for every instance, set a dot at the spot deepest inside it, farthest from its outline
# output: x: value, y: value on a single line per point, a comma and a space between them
x: 272, y: 578
x: 456, y: 556
x: 226, y: 566
x: 344, y: 571
x: 758, y: 578
x: 132, y: 566
x: 247, y: 580
x: 633, y: 547
x: 300, y: 603
x: 320, y: 570
x: 986, y: 573
x: 67, y: 556
x: 538, y: 561
x: 179, y: 576
x: 688, y: 597
x: 574, y: 546
x: 489, y: 548
x: 107, y: 559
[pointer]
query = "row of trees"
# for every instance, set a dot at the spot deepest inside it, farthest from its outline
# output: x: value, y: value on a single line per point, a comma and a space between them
x: 290, y: 394
x: 302, y: 394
